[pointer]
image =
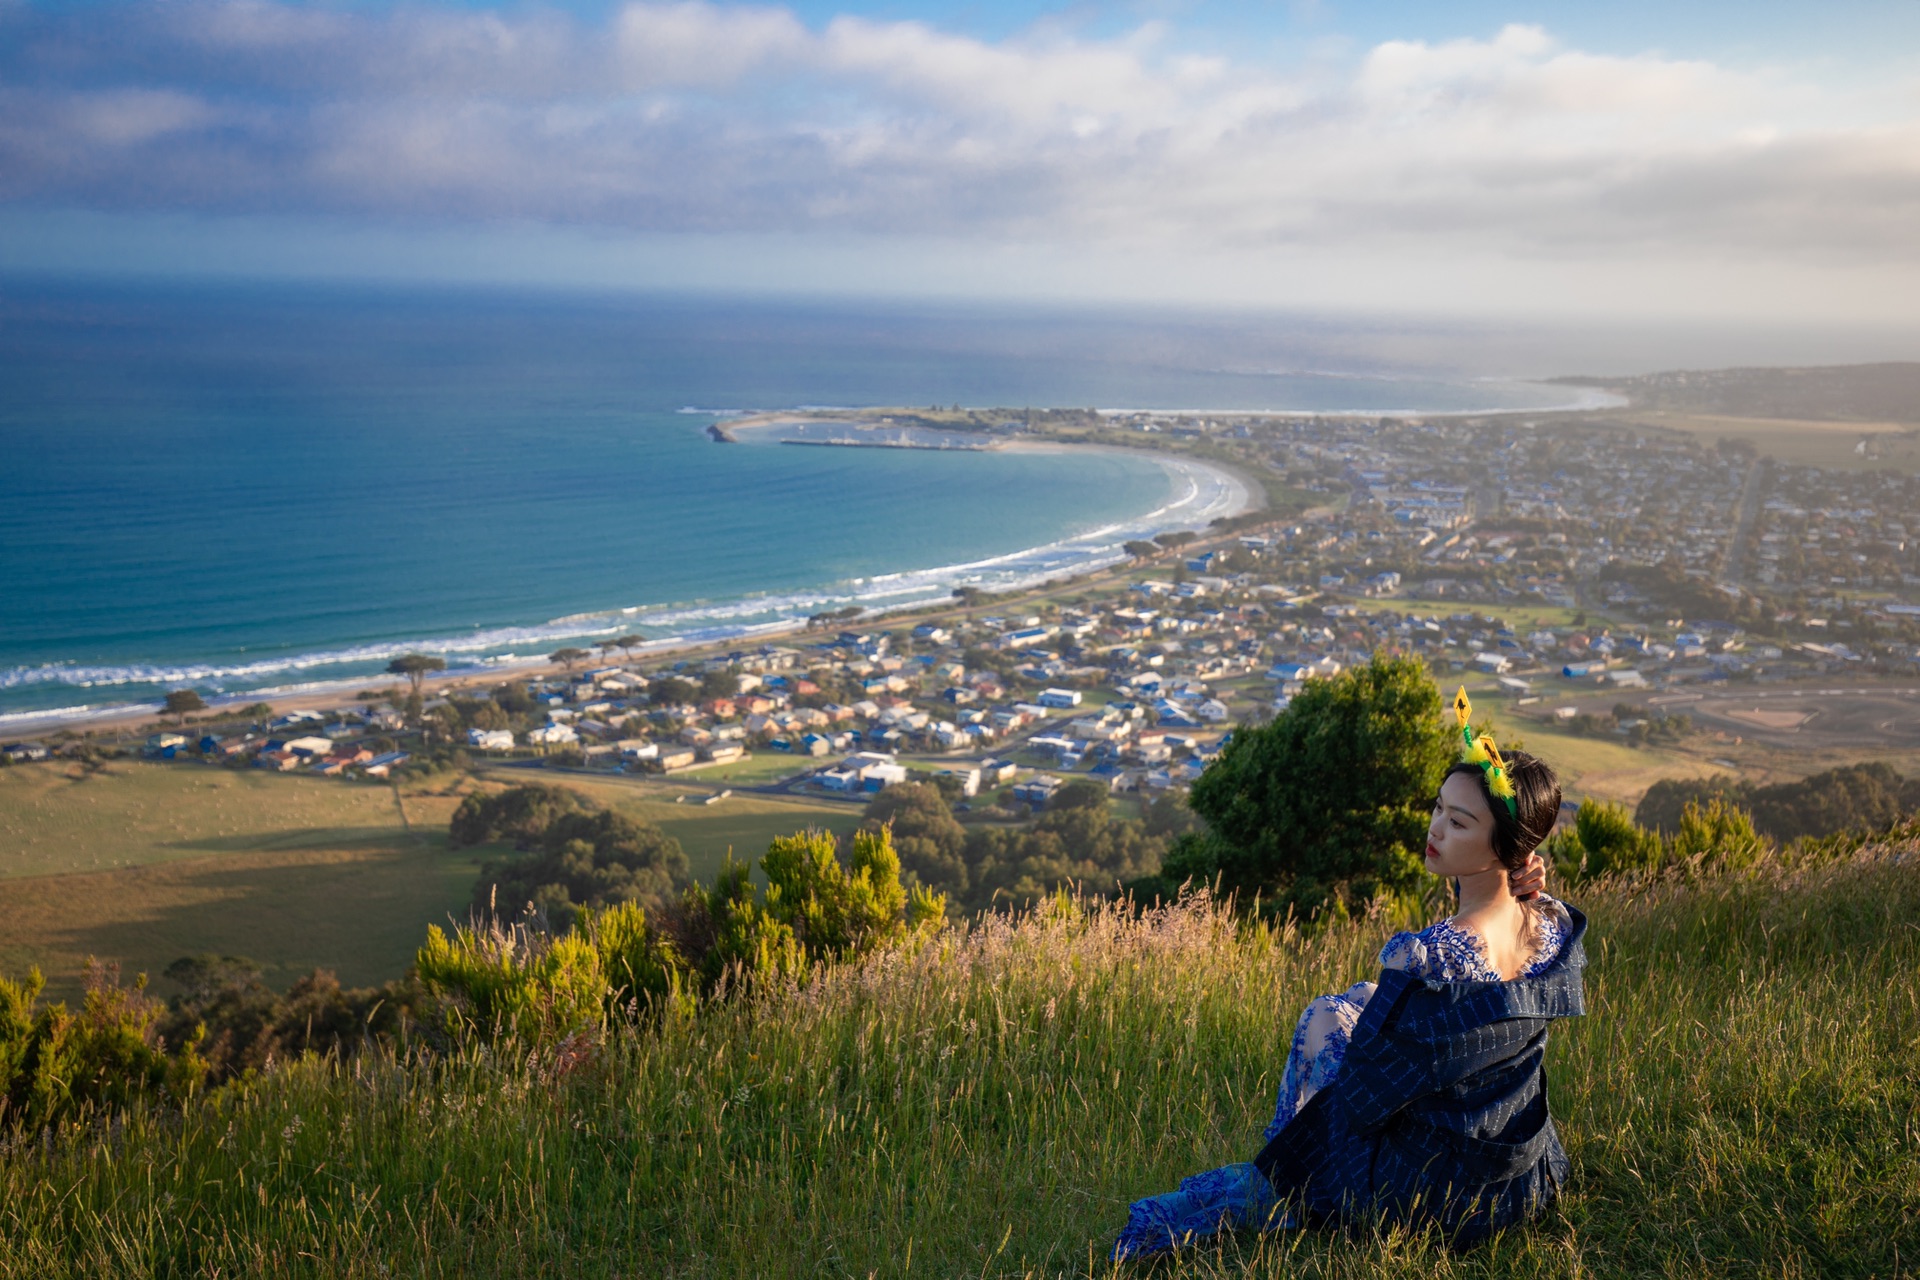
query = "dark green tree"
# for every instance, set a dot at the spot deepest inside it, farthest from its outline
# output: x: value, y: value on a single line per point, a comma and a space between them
x: 672, y: 691
x: 416, y: 667
x: 1140, y: 550
x: 930, y: 841
x: 1329, y: 801
x: 568, y: 657
x: 585, y: 859
x: 1076, y: 842
x: 182, y: 701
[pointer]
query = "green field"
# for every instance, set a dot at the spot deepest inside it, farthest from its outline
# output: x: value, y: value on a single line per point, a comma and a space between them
x: 1896, y: 445
x: 143, y: 863
x: 57, y: 818
x: 1742, y: 1098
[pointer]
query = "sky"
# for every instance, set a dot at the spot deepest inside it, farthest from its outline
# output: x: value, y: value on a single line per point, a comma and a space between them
x: 1753, y: 162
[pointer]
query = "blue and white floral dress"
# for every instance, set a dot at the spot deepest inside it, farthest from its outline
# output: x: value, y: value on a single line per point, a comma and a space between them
x: 1237, y: 1195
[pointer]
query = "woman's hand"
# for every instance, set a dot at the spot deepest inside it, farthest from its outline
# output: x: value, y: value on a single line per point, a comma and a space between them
x: 1530, y: 879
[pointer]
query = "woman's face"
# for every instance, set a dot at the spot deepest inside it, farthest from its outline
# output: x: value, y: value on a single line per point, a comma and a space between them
x: 1460, y: 833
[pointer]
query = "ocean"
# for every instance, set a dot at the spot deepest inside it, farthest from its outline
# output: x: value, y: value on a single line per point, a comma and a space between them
x: 249, y: 489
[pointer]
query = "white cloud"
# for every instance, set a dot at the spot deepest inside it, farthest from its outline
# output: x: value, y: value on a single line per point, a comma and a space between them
x: 696, y: 117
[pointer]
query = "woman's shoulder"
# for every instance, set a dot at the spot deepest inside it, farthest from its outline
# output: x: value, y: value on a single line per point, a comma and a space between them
x: 1552, y: 926
x: 1442, y: 951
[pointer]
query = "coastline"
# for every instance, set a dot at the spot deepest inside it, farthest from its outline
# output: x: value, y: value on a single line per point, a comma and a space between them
x: 1202, y: 492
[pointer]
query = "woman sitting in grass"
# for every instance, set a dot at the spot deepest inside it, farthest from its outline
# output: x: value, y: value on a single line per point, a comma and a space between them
x: 1422, y: 1097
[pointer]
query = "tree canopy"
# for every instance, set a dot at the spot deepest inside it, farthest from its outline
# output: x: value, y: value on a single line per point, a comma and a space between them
x: 1329, y: 801
x: 572, y: 854
x: 1075, y: 841
x: 181, y: 701
x: 1857, y: 797
x: 415, y: 667
x: 568, y: 657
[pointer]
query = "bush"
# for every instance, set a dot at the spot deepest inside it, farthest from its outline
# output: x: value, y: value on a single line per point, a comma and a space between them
x: 1076, y: 841
x: 242, y: 1025
x: 57, y: 1066
x: 930, y: 841
x: 1604, y: 840
x: 492, y: 979
x: 1718, y: 832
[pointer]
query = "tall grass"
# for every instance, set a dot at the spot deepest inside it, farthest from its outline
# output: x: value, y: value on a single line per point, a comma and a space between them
x: 1743, y: 1098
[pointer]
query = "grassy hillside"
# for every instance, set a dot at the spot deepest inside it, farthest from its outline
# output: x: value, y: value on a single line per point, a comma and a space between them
x: 1743, y: 1099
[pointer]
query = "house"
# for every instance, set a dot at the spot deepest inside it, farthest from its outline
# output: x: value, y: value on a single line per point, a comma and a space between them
x: 969, y: 779
x: 1212, y: 710
x: 1492, y: 663
x: 1024, y: 638
x: 311, y: 748
x: 1059, y: 698
x: 21, y: 752
x: 490, y: 739
x: 994, y: 773
x: 813, y: 744
x: 722, y: 752
x: 1037, y: 790
x: 165, y: 746
x: 383, y: 765
x: 552, y: 735
x: 838, y: 779
x: 673, y: 755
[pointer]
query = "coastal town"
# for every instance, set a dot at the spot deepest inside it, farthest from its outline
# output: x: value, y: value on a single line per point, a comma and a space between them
x: 1554, y: 562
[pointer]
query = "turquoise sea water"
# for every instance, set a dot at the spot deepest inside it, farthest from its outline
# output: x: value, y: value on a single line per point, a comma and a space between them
x: 246, y: 489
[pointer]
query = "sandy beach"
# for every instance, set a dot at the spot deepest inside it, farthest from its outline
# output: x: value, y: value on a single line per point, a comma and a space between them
x: 1202, y: 492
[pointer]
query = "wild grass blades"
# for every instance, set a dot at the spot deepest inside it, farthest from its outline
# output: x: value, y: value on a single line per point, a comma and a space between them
x: 1743, y: 1099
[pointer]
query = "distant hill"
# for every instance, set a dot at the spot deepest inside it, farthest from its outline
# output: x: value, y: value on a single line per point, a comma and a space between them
x: 1831, y: 393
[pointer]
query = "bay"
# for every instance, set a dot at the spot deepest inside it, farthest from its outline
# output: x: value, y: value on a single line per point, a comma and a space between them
x: 246, y: 488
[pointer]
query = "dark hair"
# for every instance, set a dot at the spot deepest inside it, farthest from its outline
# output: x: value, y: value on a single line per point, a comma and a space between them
x: 1536, y: 803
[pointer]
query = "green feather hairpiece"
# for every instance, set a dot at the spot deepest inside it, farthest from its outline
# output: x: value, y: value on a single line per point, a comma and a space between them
x: 1478, y: 748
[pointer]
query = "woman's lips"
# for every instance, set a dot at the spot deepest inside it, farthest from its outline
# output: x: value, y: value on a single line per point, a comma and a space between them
x: 1432, y: 852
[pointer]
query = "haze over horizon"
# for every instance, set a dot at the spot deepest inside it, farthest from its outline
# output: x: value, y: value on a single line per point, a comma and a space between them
x: 1752, y: 166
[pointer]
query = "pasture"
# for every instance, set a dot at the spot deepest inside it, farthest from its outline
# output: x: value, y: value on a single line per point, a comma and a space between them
x: 142, y: 863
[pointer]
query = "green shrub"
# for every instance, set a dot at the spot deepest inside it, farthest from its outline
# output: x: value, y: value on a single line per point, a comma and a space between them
x: 1604, y: 841
x: 492, y: 979
x: 56, y: 1065
x: 1717, y: 831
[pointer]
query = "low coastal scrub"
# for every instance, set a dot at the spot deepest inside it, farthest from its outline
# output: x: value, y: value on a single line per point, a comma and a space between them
x: 1743, y: 1099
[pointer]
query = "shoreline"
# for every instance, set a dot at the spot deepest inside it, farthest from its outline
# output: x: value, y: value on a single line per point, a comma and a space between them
x: 1215, y: 489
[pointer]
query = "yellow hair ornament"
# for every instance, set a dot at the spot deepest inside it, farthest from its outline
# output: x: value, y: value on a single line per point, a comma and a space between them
x: 1478, y: 748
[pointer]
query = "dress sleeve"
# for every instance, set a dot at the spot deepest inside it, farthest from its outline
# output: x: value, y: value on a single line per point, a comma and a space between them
x: 1405, y: 951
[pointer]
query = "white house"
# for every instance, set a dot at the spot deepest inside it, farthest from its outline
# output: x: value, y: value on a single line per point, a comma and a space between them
x: 552, y: 735
x: 490, y: 739
x: 1059, y: 697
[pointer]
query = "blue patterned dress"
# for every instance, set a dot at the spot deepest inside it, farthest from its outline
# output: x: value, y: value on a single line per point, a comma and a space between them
x: 1237, y: 1195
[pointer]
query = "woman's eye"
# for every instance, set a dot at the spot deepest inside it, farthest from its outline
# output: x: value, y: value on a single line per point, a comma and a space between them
x: 1457, y: 825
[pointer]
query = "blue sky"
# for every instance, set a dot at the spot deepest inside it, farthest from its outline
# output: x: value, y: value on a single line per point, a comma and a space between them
x: 1707, y: 159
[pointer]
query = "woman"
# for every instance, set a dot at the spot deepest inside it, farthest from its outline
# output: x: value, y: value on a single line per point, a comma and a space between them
x: 1423, y: 1095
